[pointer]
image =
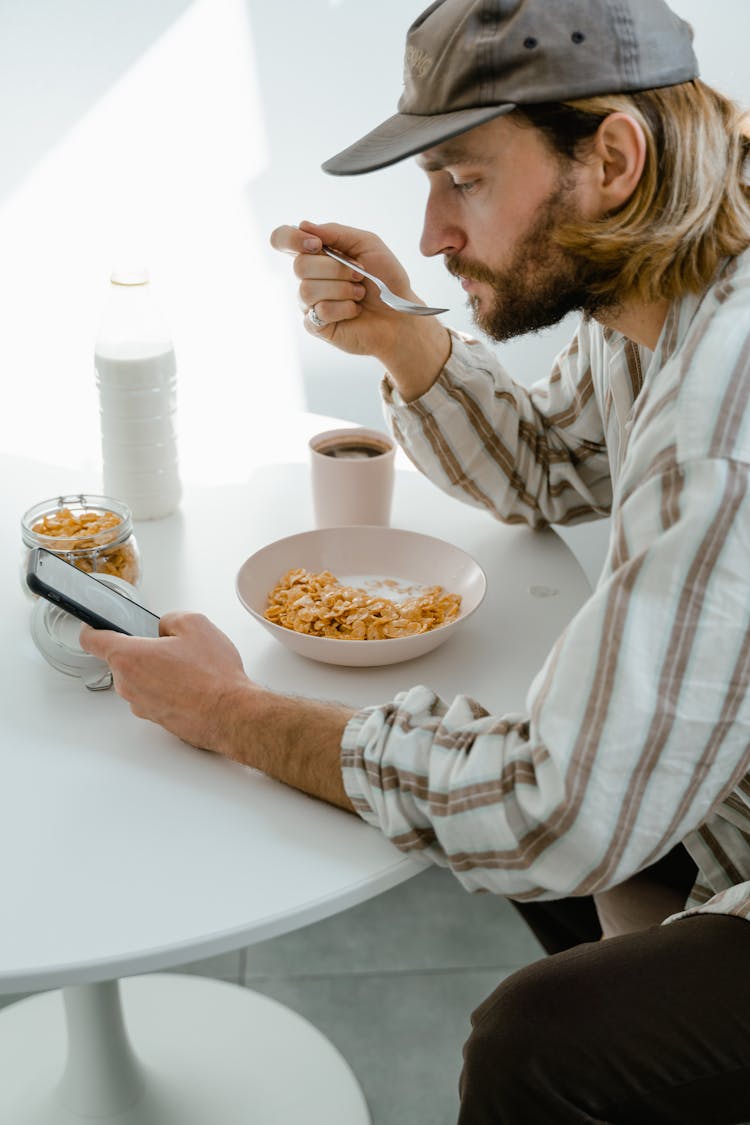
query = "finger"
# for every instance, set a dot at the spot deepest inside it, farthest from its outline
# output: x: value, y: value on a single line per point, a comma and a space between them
x: 100, y: 642
x: 180, y: 622
x: 170, y: 623
x: 291, y: 240
x: 319, y: 292
x: 331, y: 313
x: 321, y: 266
x: 87, y: 638
x: 349, y: 240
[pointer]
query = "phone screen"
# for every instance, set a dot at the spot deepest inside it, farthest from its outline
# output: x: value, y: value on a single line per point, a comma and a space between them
x: 87, y: 598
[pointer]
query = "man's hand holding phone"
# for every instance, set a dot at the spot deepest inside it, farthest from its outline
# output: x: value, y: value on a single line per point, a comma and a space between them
x: 185, y: 680
x: 183, y: 673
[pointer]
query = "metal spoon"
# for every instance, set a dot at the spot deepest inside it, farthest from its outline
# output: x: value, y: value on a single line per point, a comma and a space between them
x: 386, y: 296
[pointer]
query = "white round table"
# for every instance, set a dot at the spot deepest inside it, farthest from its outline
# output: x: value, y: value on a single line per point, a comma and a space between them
x: 125, y: 851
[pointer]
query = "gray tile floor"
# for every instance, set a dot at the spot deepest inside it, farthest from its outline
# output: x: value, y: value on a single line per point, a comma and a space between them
x: 392, y: 984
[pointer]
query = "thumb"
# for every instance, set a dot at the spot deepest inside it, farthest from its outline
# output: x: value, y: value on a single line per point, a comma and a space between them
x: 349, y: 240
x: 97, y: 642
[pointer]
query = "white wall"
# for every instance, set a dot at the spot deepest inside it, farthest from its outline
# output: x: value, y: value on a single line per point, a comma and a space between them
x: 182, y: 131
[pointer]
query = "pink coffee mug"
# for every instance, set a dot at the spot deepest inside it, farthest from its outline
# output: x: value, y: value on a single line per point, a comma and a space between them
x: 352, y: 477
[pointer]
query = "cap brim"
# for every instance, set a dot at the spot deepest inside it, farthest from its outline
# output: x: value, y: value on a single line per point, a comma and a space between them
x: 406, y: 134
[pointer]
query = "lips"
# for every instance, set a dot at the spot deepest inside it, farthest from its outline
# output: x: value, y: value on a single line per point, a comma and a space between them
x: 466, y: 281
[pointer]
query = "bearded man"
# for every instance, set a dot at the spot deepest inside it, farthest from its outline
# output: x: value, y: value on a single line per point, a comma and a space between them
x: 575, y: 161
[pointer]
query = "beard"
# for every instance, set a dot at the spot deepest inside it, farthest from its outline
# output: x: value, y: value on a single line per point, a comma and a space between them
x: 542, y: 283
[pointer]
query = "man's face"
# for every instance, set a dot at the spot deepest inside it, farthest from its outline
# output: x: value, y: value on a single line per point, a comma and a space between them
x: 497, y: 197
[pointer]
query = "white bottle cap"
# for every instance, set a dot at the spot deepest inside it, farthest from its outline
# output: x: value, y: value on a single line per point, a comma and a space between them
x: 130, y: 275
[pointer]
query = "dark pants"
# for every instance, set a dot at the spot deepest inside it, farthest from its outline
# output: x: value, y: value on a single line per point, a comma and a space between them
x: 648, y: 1028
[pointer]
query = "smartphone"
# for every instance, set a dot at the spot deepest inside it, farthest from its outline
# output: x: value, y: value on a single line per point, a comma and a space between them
x: 86, y: 598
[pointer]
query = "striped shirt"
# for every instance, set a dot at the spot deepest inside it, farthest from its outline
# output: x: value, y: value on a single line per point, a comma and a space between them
x: 636, y: 731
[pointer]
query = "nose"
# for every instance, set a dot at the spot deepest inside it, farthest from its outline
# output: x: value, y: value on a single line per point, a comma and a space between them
x: 441, y: 234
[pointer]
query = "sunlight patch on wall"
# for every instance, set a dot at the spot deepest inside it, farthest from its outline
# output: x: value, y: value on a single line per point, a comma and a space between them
x: 158, y: 171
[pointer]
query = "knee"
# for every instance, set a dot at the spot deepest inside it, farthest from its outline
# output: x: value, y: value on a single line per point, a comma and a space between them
x: 516, y: 1032
x: 511, y: 1016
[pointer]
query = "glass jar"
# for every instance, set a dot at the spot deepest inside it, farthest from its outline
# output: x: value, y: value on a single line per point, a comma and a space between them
x: 94, y: 533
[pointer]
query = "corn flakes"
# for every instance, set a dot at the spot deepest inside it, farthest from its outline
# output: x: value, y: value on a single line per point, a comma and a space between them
x: 318, y: 604
x: 80, y: 537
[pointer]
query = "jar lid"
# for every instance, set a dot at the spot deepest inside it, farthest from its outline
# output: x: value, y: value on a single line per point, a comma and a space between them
x: 78, y: 538
x: 55, y: 634
x: 130, y: 274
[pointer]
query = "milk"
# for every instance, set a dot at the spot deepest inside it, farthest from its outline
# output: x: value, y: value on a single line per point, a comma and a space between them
x: 136, y: 374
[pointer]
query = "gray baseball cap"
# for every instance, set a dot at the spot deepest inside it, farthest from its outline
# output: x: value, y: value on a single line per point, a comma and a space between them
x: 469, y: 61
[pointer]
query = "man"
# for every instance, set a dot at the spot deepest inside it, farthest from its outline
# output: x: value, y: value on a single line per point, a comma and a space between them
x: 628, y: 204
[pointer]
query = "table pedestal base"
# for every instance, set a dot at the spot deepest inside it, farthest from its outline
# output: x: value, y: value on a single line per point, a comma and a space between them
x: 202, y: 1052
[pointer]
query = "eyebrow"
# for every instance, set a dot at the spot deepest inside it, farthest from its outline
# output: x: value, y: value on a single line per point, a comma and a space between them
x: 449, y: 154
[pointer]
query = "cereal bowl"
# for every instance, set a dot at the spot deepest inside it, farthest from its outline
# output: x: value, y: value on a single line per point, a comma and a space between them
x: 383, y: 560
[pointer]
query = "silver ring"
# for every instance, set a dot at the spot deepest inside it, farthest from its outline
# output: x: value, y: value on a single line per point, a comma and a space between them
x: 313, y: 317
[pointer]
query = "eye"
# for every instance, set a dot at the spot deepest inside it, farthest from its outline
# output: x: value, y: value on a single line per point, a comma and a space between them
x: 464, y: 186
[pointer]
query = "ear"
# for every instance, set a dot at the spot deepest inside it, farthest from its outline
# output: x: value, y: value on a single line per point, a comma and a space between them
x: 619, y: 157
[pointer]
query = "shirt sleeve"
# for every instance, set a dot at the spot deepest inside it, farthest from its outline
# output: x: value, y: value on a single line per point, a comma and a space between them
x: 636, y: 727
x: 533, y: 456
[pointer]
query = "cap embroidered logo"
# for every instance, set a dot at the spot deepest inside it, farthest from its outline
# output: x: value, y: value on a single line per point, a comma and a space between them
x: 418, y: 61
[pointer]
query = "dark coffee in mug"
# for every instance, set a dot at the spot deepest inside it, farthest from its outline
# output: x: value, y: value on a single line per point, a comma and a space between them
x: 354, y: 450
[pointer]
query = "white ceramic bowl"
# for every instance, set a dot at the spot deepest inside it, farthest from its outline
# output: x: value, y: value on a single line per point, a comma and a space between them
x: 353, y: 552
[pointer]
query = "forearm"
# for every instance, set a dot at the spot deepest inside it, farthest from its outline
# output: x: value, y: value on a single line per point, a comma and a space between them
x: 499, y: 445
x: 296, y: 741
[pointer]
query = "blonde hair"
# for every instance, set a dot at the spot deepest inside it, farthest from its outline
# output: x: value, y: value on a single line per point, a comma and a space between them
x: 691, y: 208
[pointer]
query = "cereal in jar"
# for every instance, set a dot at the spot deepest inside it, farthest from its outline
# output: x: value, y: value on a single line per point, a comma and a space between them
x: 94, y: 533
